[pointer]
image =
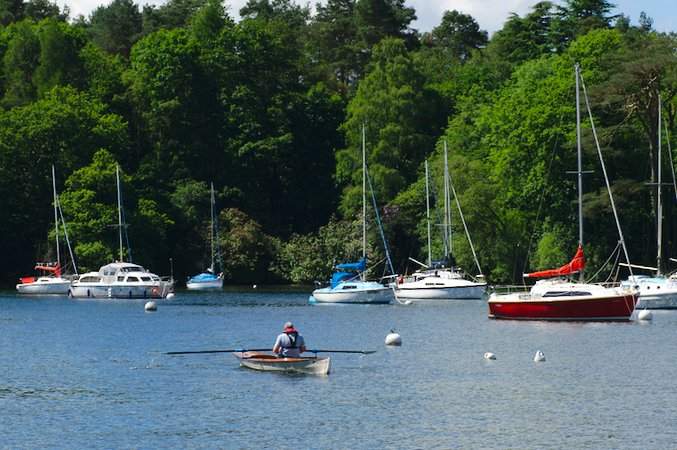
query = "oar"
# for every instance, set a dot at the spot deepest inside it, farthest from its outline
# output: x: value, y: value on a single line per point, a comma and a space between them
x: 362, y: 352
x: 219, y: 351
x: 194, y: 352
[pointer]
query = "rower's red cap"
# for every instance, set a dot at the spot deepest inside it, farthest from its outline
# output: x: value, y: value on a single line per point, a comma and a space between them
x: 288, y: 326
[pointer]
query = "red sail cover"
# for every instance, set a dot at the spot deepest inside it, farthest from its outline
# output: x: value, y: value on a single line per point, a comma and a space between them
x: 575, y: 265
x: 54, y: 268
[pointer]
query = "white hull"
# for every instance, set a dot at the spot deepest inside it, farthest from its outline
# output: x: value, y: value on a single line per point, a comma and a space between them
x: 665, y: 300
x: 654, y: 292
x: 54, y: 286
x: 375, y: 294
x: 120, y: 280
x: 205, y: 285
x: 119, y: 291
x: 268, y: 363
x: 475, y: 292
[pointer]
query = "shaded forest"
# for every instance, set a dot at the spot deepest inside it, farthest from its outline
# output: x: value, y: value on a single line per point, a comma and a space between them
x: 270, y: 110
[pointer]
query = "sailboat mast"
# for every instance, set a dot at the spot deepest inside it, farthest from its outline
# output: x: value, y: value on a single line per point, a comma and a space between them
x: 56, y: 219
x: 427, y: 212
x: 580, y: 163
x: 117, y: 178
x: 447, y: 204
x: 364, y: 197
x: 211, y: 231
x: 659, y: 200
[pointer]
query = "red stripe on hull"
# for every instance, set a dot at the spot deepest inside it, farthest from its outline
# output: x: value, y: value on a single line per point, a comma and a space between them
x: 606, y: 308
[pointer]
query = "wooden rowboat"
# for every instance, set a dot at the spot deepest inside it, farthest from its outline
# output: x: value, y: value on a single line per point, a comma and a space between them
x: 271, y: 363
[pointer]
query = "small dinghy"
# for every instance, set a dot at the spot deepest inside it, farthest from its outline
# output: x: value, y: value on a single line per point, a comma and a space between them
x: 271, y: 363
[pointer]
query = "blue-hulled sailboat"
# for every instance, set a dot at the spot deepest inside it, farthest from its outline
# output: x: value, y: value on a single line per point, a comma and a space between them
x: 349, y: 284
x: 209, y: 279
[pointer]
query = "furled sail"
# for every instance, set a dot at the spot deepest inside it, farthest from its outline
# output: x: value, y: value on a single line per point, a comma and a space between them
x: 55, y: 268
x: 575, y: 265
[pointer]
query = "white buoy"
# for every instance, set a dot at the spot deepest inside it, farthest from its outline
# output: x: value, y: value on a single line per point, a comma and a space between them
x: 254, y: 286
x: 539, y: 356
x: 489, y: 355
x: 150, y: 306
x: 645, y: 315
x: 393, y: 338
x: 170, y: 296
x: 407, y: 302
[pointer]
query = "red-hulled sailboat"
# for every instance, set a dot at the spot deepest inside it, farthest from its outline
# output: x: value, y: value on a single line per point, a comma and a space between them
x: 562, y: 299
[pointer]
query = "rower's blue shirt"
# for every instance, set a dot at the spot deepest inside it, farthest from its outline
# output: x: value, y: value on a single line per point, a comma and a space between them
x: 288, y: 346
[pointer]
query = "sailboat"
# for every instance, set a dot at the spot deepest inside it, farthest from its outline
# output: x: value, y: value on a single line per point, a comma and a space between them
x: 209, y: 279
x: 120, y: 279
x: 349, y: 284
x: 53, y: 283
x: 436, y: 281
x: 659, y: 291
x: 555, y: 298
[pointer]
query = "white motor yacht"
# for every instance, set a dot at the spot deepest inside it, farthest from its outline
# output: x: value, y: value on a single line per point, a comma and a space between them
x: 120, y: 280
x: 658, y: 292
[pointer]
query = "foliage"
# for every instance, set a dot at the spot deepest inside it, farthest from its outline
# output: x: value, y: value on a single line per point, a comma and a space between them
x: 311, y: 257
x: 395, y: 107
x: 90, y: 199
x: 247, y: 249
x: 116, y: 27
x: 270, y: 109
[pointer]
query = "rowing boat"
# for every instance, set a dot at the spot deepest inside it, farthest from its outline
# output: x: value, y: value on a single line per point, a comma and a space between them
x: 271, y: 363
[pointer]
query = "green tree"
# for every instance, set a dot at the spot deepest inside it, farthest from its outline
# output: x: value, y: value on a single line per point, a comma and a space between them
x: 116, y: 27
x: 528, y: 37
x: 459, y: 34
x: 11, y: 11
x: 249, y: 249
x: 38, y: 10
x: 172, y: 14
x: 64, y: 128
x: 394, y: 103
x: 334, y: 41
x: 378, y: 19
x: 19, y: 63
x: 311, y: 257
x: 60, y: 64
x: 91, y: 201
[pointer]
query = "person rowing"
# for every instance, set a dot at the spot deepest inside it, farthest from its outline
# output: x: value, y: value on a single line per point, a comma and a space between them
x: 289, y: 343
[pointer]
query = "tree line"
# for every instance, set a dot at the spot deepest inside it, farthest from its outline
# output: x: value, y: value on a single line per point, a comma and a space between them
x: 270, y: 110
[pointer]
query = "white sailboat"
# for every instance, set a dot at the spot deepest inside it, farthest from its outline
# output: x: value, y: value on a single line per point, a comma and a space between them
x: 120, y: 279
x: 349, y: 284
x: 658, y: 291
x: 53, y: 283
x: 209, y: 279
x: 435, y: 281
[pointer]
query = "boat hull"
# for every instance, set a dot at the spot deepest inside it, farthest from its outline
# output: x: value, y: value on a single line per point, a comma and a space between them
x: 475, y: 292
x: 661, y: 301
x: 270, y: 363
x: 54, y: 287
x: 524, y: 307
x: 654, y: 292
x: 382, y: 295
x: 205, y: 285
x: 120, y: 291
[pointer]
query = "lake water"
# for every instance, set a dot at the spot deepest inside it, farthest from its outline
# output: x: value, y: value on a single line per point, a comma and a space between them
x: 92, y: 374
